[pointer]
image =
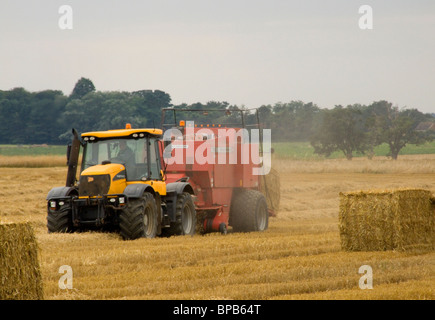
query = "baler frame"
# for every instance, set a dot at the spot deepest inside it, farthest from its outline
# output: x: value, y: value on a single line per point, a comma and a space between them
x: 218, y: 215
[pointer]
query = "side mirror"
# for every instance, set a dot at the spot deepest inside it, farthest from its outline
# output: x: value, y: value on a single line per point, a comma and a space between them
x: 167, y: 155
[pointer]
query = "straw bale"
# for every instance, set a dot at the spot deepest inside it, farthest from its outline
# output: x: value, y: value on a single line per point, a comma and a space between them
x: 377, y: 220
x: 20, y: 276
x: 270, y: 186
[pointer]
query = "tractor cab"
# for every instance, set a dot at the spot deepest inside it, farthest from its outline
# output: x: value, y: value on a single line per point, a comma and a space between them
x: 121, y: 157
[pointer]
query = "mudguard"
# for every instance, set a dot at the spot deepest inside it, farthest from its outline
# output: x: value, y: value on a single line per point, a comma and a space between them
x: 59, y: 192
x: 179, y: 187
x: 137, y: 190
x: 172, y: 190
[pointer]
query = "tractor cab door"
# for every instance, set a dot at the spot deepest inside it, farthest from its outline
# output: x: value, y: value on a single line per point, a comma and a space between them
x: 149, y: 165
x: 147, y: 160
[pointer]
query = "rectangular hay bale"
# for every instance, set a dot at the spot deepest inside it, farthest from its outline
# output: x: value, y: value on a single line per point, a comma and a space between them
x: 401, y: 219
x: 20, y: 276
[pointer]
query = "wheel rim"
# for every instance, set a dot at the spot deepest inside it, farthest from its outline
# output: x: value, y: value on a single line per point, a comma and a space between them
x: 262, y: 216
x: 186, y: 220
x: 147, y: 220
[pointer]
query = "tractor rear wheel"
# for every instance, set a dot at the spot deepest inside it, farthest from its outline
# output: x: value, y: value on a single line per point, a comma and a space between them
x: 139, y: 218
x: 185, y: 216
x: 249, y: 211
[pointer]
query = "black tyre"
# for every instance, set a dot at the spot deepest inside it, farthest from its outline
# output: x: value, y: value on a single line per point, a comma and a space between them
x: 139, y: 219
x: 248, y: 211
x: 185, y: 216
x: 60, y: 221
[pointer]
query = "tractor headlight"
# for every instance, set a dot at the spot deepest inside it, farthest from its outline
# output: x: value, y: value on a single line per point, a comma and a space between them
x: 53, y: 205
x: 121, y: 200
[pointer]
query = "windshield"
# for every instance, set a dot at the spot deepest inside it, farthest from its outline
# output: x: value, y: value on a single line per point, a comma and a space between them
x: 132, y: 153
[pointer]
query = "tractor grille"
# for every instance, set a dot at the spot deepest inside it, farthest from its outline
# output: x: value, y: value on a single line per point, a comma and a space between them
x: 95, y: 185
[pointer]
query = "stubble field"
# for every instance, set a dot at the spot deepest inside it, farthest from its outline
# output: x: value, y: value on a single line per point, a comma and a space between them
x: 298, y: 257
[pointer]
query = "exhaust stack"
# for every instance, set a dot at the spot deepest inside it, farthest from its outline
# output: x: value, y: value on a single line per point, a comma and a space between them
x: 73, y: 159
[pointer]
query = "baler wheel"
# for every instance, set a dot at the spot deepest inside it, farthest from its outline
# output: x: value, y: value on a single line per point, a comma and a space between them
x: 249, y: 211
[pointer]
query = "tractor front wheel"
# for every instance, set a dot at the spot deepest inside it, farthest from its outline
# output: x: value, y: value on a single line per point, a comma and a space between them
x: 61, y: 220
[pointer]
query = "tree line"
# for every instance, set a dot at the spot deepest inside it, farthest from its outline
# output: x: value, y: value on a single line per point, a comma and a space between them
x: 354, y: 129
x: 48, y: 116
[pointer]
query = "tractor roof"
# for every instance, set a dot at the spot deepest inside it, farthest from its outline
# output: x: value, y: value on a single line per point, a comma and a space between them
x: 121, y: 133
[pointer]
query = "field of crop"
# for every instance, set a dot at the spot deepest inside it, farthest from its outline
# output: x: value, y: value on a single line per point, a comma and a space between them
x: 298, y: 257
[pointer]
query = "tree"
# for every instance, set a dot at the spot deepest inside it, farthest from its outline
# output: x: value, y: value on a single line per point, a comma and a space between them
x: 149, y: 105
x: 14, y: 111
x: 265, y: 115
x: 395, y: 126
x: 101, y: 111
x: 82, y: 88
x: 294, y: 121
x: 42, y: 120
x: 342, y: 129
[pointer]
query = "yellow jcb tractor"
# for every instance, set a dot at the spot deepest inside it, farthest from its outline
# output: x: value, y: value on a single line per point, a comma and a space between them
x: 121, y: 186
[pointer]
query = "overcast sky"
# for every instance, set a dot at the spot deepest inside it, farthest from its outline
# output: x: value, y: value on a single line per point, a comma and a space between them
x: 244, y: 52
